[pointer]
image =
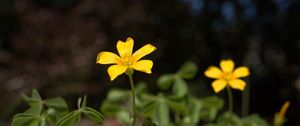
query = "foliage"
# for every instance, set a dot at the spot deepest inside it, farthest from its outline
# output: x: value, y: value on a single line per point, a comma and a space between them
x: 173, y: 105
x: 71, y: 117
x: 230, y: 119
x: 52, y: 112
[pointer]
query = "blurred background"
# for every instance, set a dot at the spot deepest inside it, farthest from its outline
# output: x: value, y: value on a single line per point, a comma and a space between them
x: 52, y: 45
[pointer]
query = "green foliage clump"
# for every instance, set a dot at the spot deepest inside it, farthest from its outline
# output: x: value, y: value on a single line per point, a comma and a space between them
x: 53, y: 112
x: 172, y: 105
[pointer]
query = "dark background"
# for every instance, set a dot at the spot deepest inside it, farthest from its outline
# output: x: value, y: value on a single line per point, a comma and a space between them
x: 52, y: 45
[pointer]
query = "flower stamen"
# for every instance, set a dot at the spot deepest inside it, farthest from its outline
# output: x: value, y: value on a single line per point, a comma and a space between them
x: 227, y: 76
x: 127, y: 61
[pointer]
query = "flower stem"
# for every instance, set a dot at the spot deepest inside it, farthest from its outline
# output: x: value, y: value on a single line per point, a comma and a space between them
x: 230, y: 101
x: 133, y: 118
x: 245, y: 99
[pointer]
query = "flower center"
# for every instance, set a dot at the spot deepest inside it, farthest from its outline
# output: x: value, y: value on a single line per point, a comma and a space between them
x: 228, y: 76
x: 127, y: 61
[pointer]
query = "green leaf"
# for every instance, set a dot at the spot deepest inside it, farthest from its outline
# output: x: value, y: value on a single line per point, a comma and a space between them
x: 148, y: 97
x: 161, y: 116
x: 35, y: 102
x: 93, y: 114
x: 25, y: 120
x: 141, y: 88
x: 229, y: 119
x: 35, y: 109
x: 25, y: 98
x: 68, y: 119
x: 117, y: 95
x: 35, y: 122
x: 148, y: 108
x: 180, y: 88
x: 212, y: 102
x: 53, y: 115
x: 31, y: 101
x: 165, y: 81
x: 210, y: 107
x: 123, y: 117
x: 35, y: 95
x: 148, y: 122
x: 254, y: 120
x: 79, y: 101
x: 208, y: 115
x: 84, y: 102
x: 194, y: 111
x: 188, y: 70
x: 110, y: 108
x: 57, y: 103
x: 42, y: 122
x: 177, y: 105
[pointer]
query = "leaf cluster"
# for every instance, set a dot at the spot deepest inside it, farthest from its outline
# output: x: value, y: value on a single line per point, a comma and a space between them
x: 53, y: 112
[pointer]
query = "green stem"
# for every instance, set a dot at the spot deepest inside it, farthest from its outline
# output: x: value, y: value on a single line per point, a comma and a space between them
x: 133, y: 100
x: 78, y: 120
x: 230, y: 101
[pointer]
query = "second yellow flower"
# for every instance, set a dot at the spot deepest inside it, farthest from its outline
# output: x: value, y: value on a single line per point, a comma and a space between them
x: 227, y: 75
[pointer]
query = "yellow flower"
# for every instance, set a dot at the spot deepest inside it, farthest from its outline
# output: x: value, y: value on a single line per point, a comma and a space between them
x: 126, y: 60
x: 279, y: 118
x: 226, y: 75
x: 283, y: 109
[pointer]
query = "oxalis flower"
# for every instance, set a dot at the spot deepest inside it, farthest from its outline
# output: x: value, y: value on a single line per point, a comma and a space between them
x: 283, y: 109
x: 280, y: 118
x: 227, y: 76
x: 126, y: 61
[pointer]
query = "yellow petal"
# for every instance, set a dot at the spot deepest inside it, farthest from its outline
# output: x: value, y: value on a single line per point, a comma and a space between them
x: 107, y: 58
x: 143, y: 66
x: 213, y: 72
x: 283, y: 109
x: 145, y: 50
x: 227, y: 65
x: 115, y: 70
x: 125, y: 48
x: 218, y: 85
x: 237, y: 84
x: 241, y: 72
